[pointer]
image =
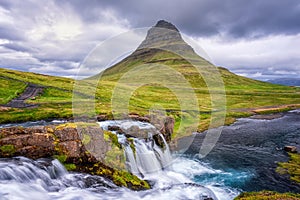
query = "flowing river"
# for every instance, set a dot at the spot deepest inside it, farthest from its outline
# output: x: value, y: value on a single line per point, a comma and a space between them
x: 244, y: 159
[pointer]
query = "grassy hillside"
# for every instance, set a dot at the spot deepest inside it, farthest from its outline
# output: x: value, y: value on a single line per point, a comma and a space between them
x: 55, y: 102
x: 9, y: 89
x: 243, y: 95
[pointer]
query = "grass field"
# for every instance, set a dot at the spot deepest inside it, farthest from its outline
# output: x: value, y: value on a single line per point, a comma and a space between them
x: 242, y: 95
x: 267, y: 195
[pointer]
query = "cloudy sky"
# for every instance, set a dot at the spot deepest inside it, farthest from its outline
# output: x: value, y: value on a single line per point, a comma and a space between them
x: 258, y: 39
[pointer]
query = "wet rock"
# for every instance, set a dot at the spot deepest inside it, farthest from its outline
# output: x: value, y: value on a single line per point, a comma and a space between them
x: 136, y: 117
x: 115, y: 128
x: 45, y: 141
x: 101, y: 118
x: 67, y: 134
x: 135, y: 131
x: 291, y: 149
x: 94, y: 142
x: 164, y: 124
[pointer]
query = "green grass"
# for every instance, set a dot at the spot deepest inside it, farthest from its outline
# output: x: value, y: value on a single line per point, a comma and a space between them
x: 40, y: 79
x: 241, y: 92
x: 292, y: 167
x: 9, y: 89
x: 244, y: 96
x: 55, y: 102
x: 267, y: 195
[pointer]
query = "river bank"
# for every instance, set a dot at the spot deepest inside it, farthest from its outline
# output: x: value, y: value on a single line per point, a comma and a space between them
x: 254, y: 146
x: 244, y: 159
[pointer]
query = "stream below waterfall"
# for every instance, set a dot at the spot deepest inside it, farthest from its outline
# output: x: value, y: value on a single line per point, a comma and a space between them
x: 244, y: 159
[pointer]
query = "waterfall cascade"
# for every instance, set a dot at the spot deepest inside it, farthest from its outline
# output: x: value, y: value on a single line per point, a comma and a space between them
x: 148, y: 156
x: 171, y: 177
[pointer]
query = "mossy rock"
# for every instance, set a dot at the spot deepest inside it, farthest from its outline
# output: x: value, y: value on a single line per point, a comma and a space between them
x: 131, y: 180
x: 267, y: 195
x: 120, y: 178
x: 113, y: 138
x: 131, y: 144
x: 8, y: 150
x: 66, y: 125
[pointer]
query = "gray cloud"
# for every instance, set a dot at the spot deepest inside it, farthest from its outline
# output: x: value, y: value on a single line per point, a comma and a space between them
x: 206, y: 17
x: 55, y: 36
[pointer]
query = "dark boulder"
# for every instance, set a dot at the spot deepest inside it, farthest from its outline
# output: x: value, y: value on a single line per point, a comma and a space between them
x: 291, y: 149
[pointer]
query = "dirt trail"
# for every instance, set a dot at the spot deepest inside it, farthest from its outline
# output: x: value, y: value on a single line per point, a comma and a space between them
x: 31, y: 91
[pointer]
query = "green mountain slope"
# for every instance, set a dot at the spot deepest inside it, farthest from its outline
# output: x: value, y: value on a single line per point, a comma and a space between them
x: 243, y: 95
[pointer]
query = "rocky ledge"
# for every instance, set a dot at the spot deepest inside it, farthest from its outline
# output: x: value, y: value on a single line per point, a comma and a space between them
x: 80, y: 147
x: 165, y: 125
x: 83, y: 147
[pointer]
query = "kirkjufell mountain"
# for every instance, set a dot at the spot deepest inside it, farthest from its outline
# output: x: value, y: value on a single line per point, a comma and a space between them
x: 164, y: 44
x: 165, y: 35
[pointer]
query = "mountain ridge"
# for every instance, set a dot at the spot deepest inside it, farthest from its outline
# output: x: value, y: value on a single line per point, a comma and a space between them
x: 286, y: 81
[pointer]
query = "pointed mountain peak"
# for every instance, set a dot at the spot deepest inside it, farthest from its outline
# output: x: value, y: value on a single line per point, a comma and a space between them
x: 165, y: 24
x: 165, y: 35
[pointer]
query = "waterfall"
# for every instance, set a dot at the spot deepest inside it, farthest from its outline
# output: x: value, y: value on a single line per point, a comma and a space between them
x: 23, y: 178
x: 148, y: 156
x: 24, y: 170
x: 147, y: 160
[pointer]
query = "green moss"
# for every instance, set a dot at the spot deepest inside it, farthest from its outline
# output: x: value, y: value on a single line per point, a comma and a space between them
x: 292, y: 167
x: 113, y: 138
x: 86, y: 139
x: 115, y: 158
x: 130, y: 179
x: 70, y: 166
x: 119, y: 177
x: 267, y: 195
x: 131, y: 143
x: 66, y: 125
x: 118, y: 180
x: 61, y: 158
x: 8, y: 149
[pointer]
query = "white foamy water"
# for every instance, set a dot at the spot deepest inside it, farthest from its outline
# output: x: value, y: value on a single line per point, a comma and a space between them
x: 171, y: 177
x: 22, y: 178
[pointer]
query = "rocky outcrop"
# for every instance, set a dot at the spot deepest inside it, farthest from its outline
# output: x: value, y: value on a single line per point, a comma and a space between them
x: 164, y: 35
x: 45, y: 141
x: 80, y: 147
x: 164, y: 124
x: 291, y: 149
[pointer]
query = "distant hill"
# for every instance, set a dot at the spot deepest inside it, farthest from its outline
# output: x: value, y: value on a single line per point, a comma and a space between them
x: 286, y: 81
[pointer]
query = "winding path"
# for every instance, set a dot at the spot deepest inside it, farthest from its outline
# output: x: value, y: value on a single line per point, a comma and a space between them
x: 31, y: 91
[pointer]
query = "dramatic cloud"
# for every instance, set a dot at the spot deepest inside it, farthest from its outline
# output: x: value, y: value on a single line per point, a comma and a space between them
x: 264, y: 58
x: 255, y: 38
x: 208, y: 17
x: 51, y: 38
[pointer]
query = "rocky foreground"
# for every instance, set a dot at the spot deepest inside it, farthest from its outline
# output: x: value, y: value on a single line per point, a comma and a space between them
x: 82, y: 147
